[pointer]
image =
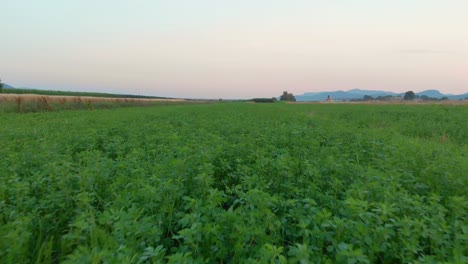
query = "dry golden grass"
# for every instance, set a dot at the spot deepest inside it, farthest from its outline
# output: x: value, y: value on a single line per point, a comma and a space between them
x: 34, y: 102
x: 62, y: 99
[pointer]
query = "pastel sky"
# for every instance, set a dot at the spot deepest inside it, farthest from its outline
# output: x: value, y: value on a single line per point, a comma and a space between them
x: 234, y: 49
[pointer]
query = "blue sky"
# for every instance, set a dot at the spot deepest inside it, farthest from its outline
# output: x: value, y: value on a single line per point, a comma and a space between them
x: 234, y: 49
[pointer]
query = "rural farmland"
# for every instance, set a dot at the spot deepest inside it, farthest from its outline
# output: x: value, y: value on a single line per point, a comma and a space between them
x: 26, y: 103
x: 235, y: 183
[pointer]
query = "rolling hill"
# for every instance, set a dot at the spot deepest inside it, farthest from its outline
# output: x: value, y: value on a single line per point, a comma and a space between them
x: 342, y: 95
x: 358, y: 94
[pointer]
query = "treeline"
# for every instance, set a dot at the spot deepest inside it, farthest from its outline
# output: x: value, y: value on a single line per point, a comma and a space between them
x: 408, y: 96
x: 288, y: 97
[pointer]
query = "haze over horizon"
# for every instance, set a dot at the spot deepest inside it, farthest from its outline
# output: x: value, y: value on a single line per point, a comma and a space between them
x: 234, y: 49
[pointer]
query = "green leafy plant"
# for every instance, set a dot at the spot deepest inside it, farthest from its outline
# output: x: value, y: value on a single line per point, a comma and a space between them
x: 235, y: 183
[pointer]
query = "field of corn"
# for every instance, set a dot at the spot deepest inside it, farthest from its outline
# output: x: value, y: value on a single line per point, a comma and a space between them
x: 29, y: 103
x: 236, y: 183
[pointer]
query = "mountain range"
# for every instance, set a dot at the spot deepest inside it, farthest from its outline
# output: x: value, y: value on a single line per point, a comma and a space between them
x: 355, y: 94
x: 359, y: 94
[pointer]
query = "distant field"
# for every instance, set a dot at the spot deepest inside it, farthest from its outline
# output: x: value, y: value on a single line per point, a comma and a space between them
x: 236, y: 183
x: 25, y: 103
x: 395, y: 102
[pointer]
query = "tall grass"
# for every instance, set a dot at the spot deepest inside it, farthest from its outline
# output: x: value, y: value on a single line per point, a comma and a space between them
x: 40, y: 103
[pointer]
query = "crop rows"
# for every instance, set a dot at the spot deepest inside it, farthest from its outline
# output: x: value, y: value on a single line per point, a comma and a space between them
x: 235, y: 183
x: 28, y: 103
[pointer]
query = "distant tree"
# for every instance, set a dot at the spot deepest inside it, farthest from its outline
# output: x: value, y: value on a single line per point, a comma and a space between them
x: 264, y: 100
x: 444, y: 98
x: 425, y: 97
x: 410, y: 95
x: 367, y: 98
x: 287, y: 97
x: 1, y: 86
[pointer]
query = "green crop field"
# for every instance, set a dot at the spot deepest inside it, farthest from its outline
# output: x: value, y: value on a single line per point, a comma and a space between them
x: 236, y: 183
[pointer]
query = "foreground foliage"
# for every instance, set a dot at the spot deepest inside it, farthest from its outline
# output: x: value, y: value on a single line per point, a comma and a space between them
x: 235, y: 183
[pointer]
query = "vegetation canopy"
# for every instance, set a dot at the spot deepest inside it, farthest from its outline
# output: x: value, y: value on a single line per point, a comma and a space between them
x: 410, y: 95
x: 235, y: 183
x: 287, y: 97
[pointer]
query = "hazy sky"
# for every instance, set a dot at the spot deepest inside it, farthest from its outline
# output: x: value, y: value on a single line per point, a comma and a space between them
x: 234, y: 49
